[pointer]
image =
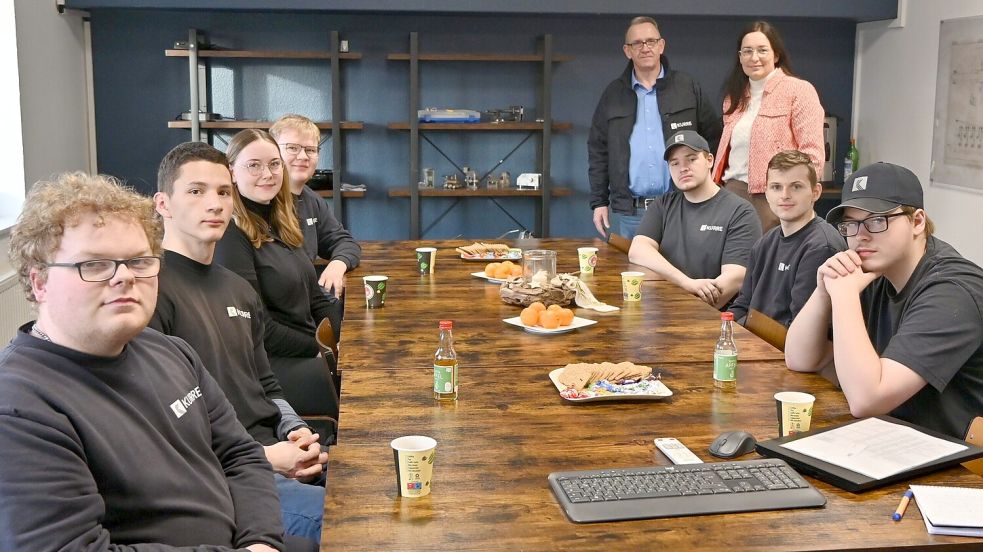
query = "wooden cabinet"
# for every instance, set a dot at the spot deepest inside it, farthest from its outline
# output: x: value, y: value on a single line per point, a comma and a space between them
x: 199, y: 61
x: 543, y: 127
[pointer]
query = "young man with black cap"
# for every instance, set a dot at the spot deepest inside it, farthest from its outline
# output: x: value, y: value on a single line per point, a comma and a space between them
x: 906, y: 310
x: 698, y: 236
x: 782, y: 272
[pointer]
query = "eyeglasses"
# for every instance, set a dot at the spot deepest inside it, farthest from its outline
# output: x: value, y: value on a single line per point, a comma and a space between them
x: 255, y: 168
x: 100, y: 270
x: 874, y: 225
x: 650, y: 43
x: 295, y: 149
x: 746, y: 53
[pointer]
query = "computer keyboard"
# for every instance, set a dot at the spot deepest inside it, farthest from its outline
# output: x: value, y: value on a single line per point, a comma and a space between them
x: 683, y: 490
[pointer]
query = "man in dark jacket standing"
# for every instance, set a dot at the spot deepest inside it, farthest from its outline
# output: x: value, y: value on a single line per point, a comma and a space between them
x: 636, y: 113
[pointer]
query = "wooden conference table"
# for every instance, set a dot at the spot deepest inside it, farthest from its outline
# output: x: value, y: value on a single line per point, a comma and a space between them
x: 509, y: 429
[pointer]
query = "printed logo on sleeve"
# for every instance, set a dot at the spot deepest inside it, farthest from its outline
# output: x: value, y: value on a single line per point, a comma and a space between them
x: 180, y: 406
x: 234, y: 312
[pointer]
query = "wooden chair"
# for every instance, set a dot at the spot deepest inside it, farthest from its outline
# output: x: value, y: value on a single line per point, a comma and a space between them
x: 766, y: 328
x: 619, y: 242
x: 975, y: 436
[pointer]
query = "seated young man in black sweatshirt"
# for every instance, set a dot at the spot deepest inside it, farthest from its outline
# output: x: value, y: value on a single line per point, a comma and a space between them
x: 112, y: 434
x: 782, y: 273
x: 221, y: 316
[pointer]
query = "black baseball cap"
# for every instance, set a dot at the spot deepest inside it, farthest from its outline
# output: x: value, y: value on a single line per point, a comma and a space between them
x: 688, y: 138
x: 879, y: 188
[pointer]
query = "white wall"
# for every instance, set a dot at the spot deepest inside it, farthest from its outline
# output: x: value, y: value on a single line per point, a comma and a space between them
x: 895, y: 110
x: 53, y: 102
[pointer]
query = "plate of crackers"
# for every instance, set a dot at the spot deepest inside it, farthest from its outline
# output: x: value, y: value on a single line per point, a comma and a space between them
x: 608, y: 381
x: 481, y: 251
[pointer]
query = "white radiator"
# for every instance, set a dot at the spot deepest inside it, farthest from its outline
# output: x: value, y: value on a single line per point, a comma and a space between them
x: 15, y: 309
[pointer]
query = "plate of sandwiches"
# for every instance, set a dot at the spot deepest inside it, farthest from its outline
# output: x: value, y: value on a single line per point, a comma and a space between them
x: 608, y: 381
x: 481, y: 251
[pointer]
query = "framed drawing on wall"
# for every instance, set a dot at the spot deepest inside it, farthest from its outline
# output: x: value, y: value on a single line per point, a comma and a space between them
x: 957, y: 143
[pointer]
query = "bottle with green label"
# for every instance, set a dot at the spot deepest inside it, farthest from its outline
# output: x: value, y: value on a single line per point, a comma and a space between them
x: 445, y: 365
x: 852, y: 160
x: 725, y: 354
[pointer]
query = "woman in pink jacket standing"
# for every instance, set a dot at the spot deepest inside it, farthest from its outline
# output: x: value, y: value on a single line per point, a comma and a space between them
x: 766, y: 110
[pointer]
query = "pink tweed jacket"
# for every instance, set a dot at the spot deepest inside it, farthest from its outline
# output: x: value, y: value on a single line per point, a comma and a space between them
x: 790, y: 117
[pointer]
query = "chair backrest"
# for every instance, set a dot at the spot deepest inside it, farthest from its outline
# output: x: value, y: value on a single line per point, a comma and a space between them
x: 765, y: 327
x: 619, y: 242
x: 975, y: 436
x: 326, y: 339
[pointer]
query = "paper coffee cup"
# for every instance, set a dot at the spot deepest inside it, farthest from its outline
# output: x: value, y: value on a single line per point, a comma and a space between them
x: 631, y: 285
x: 426, y: 258
x: 588, y: 259
x: 794, y: 412
x: 414, y: 456
x: 375, y: 290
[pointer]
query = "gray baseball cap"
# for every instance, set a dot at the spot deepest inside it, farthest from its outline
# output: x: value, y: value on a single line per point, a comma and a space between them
x: 879, y: 188
x: 688, y: 138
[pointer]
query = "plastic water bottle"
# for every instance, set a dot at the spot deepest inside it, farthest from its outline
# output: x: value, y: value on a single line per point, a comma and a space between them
x: 725, y: 354
x: 851, y: 160
x: 445, y: 365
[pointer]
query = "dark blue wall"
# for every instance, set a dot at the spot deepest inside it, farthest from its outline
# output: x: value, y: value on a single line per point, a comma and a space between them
x: 138, y: 90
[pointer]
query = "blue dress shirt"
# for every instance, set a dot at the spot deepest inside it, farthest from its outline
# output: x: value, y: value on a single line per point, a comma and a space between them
x: 648, y: 173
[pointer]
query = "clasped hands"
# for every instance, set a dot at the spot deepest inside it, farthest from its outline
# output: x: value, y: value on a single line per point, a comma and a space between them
x: 299, y: 457
x: 707, y: 289
x: 842, y: 273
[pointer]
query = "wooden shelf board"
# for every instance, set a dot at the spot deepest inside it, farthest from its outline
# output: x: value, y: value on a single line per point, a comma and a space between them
x: 481, y: 192
x: 323, y: 125
x: 345, y: 193
x: 262, y: 54
x: 400, y: 125
x: 399, y: 56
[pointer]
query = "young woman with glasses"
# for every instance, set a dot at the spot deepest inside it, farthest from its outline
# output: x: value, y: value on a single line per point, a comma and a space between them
x: 766, y: 110
x: 265, y: 246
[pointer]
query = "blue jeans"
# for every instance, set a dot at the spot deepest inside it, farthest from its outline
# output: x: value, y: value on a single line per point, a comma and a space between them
x: 302, y: 507
x: 628, y: 224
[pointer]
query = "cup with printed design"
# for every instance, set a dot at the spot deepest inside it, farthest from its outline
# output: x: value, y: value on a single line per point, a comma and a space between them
x: 794, y: 412
x: 631, y: 285
x: 375, y: 290
x: 588, y: 259
x: 414, y: 456
x: 426, y: 258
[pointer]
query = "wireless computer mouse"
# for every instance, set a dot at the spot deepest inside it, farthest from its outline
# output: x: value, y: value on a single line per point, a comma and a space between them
x: 732, y: 443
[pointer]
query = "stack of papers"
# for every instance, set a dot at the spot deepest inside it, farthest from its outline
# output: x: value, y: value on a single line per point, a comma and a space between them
x: 950, y: 510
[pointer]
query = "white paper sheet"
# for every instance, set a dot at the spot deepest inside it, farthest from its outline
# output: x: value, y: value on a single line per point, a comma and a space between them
x: 875, y: 448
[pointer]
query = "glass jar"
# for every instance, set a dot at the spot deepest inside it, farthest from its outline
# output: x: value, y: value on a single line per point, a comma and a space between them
x: 535, y: 261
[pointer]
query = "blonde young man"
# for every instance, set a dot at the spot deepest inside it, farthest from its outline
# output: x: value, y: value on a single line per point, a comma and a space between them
x: 699, y: 236
x: 782, y: 273
x: 636, y: 113
x: 299, y: 140
x: 906, y: 310
x: 113, y: 434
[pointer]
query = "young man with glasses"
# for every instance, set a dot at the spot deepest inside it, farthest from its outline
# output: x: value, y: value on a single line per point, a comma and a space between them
x: 324, y: 236
x: 113, y: 434
x: 636, y: 113
x: 699, y: 236
x: 781, y: 275
x: 219, y: 314
x: 906, y: 310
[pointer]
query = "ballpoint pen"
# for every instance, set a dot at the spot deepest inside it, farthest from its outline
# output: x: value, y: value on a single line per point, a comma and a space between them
x: 896, y: 516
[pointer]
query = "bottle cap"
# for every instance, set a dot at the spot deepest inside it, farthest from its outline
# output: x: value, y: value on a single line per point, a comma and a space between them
x: 446, y: 324
x: 727, y: 315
